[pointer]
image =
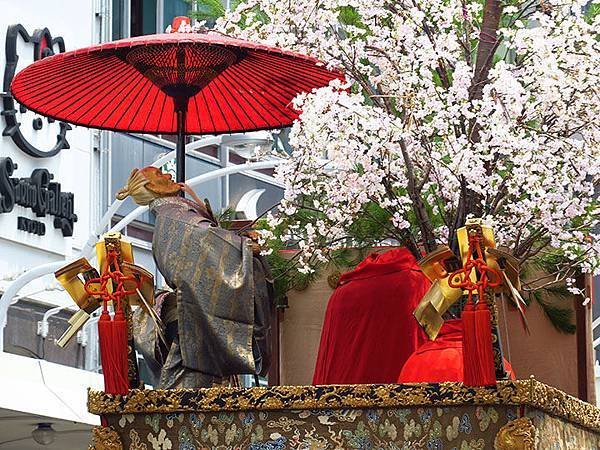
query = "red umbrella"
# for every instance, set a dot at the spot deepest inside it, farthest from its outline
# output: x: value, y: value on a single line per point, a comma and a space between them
x: 172, y: 83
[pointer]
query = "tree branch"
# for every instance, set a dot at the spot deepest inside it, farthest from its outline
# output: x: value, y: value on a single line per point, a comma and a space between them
x: 488, y: 43
x: 418, y: 204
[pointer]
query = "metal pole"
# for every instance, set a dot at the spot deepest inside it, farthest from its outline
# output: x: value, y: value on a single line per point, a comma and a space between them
x: 180, y: 149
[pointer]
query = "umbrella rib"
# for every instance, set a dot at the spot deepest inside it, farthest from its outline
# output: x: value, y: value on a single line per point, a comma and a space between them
x: 197, y: 116
x: 224, y: 81
x: 108, y: 99
x: 39, y: 72
x: 99, y: 99
x: 162, y: 111
x: 149, y: 85
x: 40, y: 75
x: 79, y: 96
x: 308, y: 66
x: 232, y: 81
x: 214, y: 127
x: 55, y: 83
x: 139, y: 87
x: 208, y: 87
x: 239, y: 98
x: 217, y: 84
x: 260, y: 80
x: 284, y: 102
x: 291, y: 71
x: 283, y: 89
x: 151, y: 109
x: 75, y: 90
x: 249, y: 73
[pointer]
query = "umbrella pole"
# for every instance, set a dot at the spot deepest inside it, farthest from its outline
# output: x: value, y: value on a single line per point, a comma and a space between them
x: 180, y: 149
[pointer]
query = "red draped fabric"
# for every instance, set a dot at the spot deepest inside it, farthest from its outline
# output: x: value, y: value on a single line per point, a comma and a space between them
x: 440, y: 360
x: 369, y: 329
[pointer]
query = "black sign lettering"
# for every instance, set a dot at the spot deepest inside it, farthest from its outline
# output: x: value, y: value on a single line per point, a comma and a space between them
x: 31, y: 226
x: 39, y: 194
x: 7, y: 192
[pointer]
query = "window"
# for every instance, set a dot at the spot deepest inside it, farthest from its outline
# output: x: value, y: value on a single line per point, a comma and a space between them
x: 140, y: 17
x: 174, y: 8
x: 143, y: 17
x: 118, y: 19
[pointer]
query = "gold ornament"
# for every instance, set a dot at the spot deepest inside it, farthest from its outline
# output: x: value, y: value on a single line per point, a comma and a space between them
x: 334, y: 279
x: 518, y: 434
x: 440, y: 295
x: 146, y: 184
x: 105, y: 438
x: 437, y: 265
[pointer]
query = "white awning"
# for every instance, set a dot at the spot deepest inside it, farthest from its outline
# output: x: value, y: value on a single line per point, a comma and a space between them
x: 42, y: 388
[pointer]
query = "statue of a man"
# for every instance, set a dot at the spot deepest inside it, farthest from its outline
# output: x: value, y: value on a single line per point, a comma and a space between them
x: 217, y: 319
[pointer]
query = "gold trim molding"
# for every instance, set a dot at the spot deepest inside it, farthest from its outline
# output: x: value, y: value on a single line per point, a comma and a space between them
x: 521, y: 392
x: 105, y: 438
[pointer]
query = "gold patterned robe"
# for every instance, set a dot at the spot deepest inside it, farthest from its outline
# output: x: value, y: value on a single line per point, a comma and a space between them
x: 223, y: 296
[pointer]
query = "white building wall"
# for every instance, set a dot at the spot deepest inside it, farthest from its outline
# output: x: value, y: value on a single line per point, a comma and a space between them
x: 73, y: 20
x: 46, y: 392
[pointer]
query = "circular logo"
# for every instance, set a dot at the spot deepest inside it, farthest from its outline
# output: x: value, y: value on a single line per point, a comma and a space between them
x: 16, y: 116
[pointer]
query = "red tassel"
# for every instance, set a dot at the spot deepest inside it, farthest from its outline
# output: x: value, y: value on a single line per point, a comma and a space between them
x: 113, y: 352
x: 478, y: 354
x: 485, y: 351
x: 105, y: 336
x: 113, y: 336
x: 470, y: 361
x: 120, y: 344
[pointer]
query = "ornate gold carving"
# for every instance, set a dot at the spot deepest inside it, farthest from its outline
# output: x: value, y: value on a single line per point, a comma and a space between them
x: 561, y: 404
x: 105, y: 438
x: 518, y: 434
x: 523, y: 392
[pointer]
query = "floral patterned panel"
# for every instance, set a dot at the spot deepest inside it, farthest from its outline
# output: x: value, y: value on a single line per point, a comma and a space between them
x: 556, y: 434
x: 456, y: 428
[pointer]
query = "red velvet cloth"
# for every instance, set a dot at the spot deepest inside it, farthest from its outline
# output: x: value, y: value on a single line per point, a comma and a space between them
x: 369, y: 329
x: 440, y: 360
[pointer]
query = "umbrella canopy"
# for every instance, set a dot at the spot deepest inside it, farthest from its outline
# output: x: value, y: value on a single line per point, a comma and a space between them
x: 223, y: 85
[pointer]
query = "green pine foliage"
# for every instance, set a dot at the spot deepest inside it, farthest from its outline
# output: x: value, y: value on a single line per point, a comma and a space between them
x: 554, y: 299
x: 593, y: 10
x: 550, y: 299
x: 226, y: 217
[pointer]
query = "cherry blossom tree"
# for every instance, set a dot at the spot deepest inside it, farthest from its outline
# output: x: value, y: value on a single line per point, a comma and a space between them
x: 450, y: 109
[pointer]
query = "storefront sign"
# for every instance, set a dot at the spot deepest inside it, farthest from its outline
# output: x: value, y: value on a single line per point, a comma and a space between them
x: 31, y: 226
x: 43, y: 45
x: 39, y: 194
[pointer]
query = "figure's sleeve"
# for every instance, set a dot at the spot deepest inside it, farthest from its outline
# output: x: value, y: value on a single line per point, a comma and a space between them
x: 211, y: 270
x: 263, y: 309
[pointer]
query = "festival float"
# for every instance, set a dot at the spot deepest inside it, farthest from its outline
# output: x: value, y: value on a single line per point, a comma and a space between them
x: 441, y: 380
